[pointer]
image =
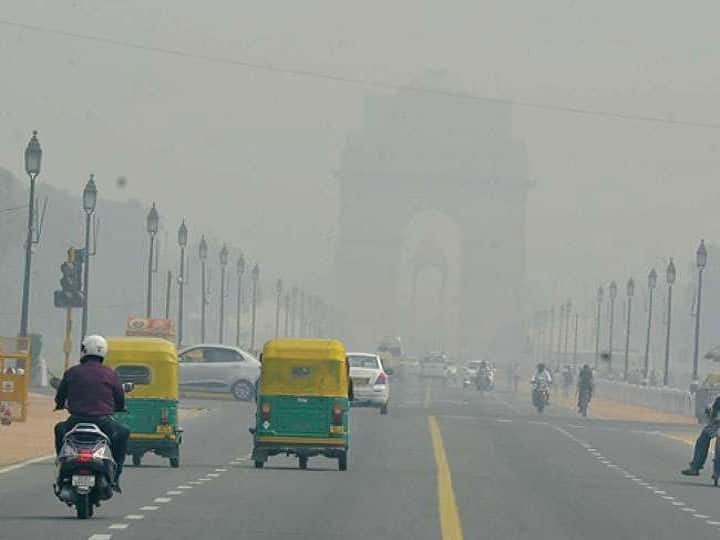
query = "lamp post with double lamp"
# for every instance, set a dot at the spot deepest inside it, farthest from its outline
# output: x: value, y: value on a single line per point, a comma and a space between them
x: 670, y: 275
x: 33, y: 158
x: 182, y: 242
x: 600, y: 295
x: 278, y: 293
x: 701, y: 262
x: 612, y: 290
x: 652, y: 282
x: 255, y: 278
x: 223, y: 266
x: 89, y: 203
x: 568, y: 311
x: 153, y: 225
x: 203, y: 253
x: 630, y: 293
x: 240, y: 272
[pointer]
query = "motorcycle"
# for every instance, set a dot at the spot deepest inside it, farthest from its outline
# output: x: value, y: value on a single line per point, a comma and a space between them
x: 540, y: 395
x: 86, y: 469
x: 583, y: 401
x: 485, y: 381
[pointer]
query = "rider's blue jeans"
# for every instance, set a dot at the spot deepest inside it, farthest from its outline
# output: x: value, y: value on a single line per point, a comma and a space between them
x: 702, y: 445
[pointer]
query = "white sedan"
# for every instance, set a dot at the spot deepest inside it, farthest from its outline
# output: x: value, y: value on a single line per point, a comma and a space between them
x: 371, y: 386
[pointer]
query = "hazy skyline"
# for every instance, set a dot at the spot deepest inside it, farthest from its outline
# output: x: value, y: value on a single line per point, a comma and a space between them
x: 250, y: 155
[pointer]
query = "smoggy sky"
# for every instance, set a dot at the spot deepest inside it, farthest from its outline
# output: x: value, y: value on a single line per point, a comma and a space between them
x: 249, y: 154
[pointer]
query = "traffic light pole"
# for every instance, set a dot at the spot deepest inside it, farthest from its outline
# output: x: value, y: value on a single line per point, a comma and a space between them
x: 67, y: 345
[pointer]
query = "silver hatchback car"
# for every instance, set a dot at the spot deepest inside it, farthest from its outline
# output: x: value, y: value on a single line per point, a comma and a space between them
x: 219, y: 369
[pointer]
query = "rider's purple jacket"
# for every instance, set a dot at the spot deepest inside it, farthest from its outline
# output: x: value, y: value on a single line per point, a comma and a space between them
x: 90, y: 390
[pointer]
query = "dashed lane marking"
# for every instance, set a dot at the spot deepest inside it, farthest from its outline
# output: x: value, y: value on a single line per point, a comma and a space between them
x: 220, y: 470
x: 700, y: 516
x: 163, y: 500
x: 100, y: 537
x: 118, y: 526
x: 213, y: 475
x: 503, y: 420
x: 688, y: 509
x: 174, y: 492
x: 184, y: 487
x: 149, y: 508
x: 135, y: 517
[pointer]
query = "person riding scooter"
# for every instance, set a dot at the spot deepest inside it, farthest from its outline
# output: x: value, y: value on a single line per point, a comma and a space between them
x: 702, y: 445
x: 92, y: 393
x: 585, y: 386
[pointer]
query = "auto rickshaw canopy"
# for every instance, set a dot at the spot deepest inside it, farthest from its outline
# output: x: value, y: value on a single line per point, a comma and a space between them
x: 150, y: 363
x: 304, y: 367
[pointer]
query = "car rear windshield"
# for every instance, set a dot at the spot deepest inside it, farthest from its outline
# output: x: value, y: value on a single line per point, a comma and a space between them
x: 369, y: 362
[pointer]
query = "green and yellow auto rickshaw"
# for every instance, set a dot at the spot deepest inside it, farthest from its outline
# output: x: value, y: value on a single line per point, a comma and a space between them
x: 151, y: 364
x: 302, y: 402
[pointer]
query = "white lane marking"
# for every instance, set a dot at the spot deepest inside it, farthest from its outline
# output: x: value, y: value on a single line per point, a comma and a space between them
x: 135, y: 517
x: 194, y: 483
x: 678, y: 503
x: 118, y: 526
x: 536, y: 423
x: 184, y: 487
x: 688, y: 509
x: 713, y: 522
x: 204, y: 479
x: 660, y: 492
x: 100, y: 537
x: 174, y: 492
x: 163, y: 500
x: 213, y: 475
x: 149, y: 508
x: 503, y: 420
x: 668, y: 498
x: 220, y: 470
x: 22, y: 464
x: 643, y: 484
x: 700, y: 516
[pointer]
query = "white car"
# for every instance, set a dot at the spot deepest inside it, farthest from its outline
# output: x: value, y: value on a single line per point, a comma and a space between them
x: 219, y: 369
x: 371, y: 386
x: 433, y: 366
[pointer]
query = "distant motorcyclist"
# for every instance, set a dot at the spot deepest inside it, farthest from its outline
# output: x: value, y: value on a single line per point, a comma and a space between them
x: 541, y: 375
x: 585, y: 384
x: 92, y: 393
x: 702, y: 445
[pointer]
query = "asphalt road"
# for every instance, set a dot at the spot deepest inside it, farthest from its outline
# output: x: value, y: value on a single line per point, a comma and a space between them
x: 445, y: 463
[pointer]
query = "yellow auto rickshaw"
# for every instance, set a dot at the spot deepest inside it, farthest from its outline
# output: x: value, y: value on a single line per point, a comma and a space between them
x: 302, y: 403
x: 151, y: 364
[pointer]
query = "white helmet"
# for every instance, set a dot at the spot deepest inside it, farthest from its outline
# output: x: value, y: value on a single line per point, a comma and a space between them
x: 94, y: 346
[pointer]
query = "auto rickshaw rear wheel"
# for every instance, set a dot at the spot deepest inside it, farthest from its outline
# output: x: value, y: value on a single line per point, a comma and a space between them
x: 342, y: 462
x: 259, y: 464
x: 136, y: 459
x: 175, y: 462
x: 302, y: 462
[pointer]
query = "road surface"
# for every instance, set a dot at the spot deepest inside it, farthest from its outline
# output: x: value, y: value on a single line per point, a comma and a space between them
x: 445, y: 463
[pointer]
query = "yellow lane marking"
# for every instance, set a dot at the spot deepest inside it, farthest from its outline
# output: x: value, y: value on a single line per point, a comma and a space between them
x: 426, y: 403
x: 687, y: 438
x: 450, y: 525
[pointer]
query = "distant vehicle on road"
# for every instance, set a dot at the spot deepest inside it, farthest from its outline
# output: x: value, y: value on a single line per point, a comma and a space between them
x: 371, y: 386
x: 219, y: 369
x: 434, y: 366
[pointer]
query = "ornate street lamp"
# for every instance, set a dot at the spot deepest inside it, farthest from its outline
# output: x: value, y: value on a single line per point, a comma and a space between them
x: 630, y: 294
x: 670, y: 275
x: 238, y: 304
x: 612, y: 290
x: 182, y: 242
x: 33, y: 158
x: 652, y: 283
x: 153, y: 225
x: 255, y: 278
x: 203, y: 253
x: 600, y: 295
x: 701, y: 262
x: 223, y: 267
x: 89, y: 203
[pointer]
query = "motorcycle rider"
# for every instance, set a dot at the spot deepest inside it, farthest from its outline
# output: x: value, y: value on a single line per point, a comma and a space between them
x: 541, y: 374
x: 92, y: 393
x: 702, y: 445
x: 585, y: 383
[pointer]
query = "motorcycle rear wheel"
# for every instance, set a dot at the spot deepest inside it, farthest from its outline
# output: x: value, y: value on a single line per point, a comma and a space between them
x: 83, y: 507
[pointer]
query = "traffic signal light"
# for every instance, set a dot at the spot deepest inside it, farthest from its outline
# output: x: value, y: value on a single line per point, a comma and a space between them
x: 70, y: 294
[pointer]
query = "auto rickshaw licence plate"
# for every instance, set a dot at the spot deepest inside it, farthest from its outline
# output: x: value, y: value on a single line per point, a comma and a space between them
x: 337, y: 429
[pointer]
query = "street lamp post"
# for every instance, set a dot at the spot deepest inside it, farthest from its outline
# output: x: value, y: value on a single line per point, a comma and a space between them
x: 287, y: 313
x: 600, y: 295
x: 182, y: 242
x: 550, y: 337
x: 575, y: 345
x: 33, y: 158
x: 203, y: 253
x: 240, y: 272
x: 652, y: 282
x: 701, y: 261
x: 255, y: 278
x: 293, y: 312
x: 153, y: 224
x: 278, y: 292
x: 612, y: 293
x: 630, y: 293
x: 301, y: 332
x: 670, y: 274
x: 561, y: 325
x: 568, y: 310
x: 89, y: 203
x: 223, y: 267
